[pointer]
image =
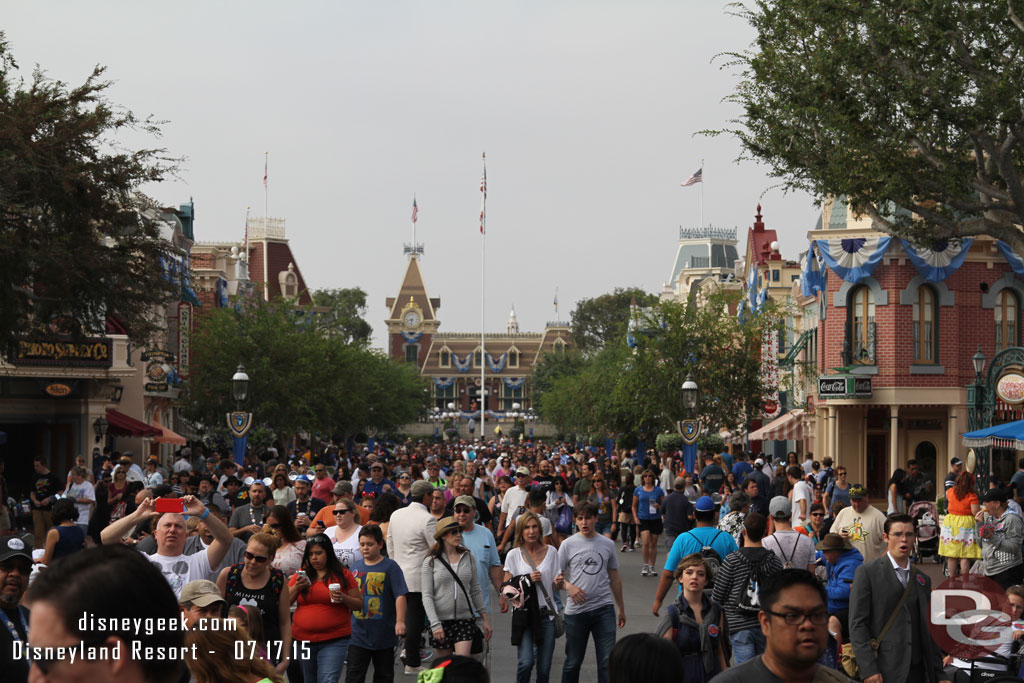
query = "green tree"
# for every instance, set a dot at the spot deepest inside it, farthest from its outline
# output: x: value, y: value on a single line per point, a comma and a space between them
x: 603, y: 320
x: 345, y: 317
x: 73, y: 247
x: 638, y: 391
x: 913, y: 112
x: 301, y: 380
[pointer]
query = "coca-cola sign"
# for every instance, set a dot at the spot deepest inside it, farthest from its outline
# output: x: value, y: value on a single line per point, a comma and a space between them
x: 844, y: 386
x: 1010, y: 388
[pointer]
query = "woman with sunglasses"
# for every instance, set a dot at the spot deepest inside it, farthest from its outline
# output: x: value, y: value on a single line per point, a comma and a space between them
x: 256, y: 582
x: 450, y: 606
x: 403, y: 491
x: 815, y: 527
x: 288, y: 557
x: 323, y: 617
x: 838, y: 490
x: 345, y: 532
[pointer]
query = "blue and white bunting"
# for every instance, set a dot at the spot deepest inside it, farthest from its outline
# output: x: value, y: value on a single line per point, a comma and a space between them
x: 496, y: 365
x: 411, y: 338
x: 463, y: 366
x: 812, y: 279
x: 513, y: 383
x: 443, y: 382
x: 853, y: 258
x: 940, y: 260
x: 1015, y: 261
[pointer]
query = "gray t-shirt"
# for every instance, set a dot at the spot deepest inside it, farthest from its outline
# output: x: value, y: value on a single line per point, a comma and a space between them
x: 585, y: 563
x: 791, y: 546
x: 755, y: 670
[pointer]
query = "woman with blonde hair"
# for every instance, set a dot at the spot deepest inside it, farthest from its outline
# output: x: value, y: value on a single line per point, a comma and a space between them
x: 256, y: 582
x: 227, y: 656
x: 531, y: 556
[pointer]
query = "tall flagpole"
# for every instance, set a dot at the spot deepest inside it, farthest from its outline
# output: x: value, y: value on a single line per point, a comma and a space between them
x: 483, y: 351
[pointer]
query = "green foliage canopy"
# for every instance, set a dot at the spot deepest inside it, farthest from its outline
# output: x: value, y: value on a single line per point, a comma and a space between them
x: 912, y: 111
x: 300, y: 378
x: 602, y: 320
x: 345, y: 317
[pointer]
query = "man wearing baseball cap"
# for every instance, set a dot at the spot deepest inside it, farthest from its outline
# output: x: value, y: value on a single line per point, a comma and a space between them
x: 201, y: 600
x: 956, y: 466
x: 514, y: 503
x: 862, y: 523
x: 705, y: 535
x: 794, y: 550
x: 480, y: 542
x: 15, y: 567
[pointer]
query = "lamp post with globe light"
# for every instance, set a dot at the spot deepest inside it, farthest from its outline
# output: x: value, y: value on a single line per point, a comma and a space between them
x: 239, y: 422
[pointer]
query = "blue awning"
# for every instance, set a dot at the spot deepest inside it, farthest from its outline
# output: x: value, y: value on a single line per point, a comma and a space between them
x: 1008, y: 435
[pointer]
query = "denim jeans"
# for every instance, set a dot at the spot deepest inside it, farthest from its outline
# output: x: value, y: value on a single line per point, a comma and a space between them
x: 545, y: 649
x: 325, y: 661
x: 747, y: 644
x: 578, y: 628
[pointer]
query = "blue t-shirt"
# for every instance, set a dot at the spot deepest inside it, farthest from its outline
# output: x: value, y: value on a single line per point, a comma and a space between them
x: 373, y: 627
x: 480, y: 542
x: 693, y: 540
x: 1017, y: 484
x: 646, y: 499
x: 741, y: 469
x: 372, y: 489
x: 728, y: 460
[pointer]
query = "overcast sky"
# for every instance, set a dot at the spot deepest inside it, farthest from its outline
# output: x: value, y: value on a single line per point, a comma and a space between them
x: 586, y: 109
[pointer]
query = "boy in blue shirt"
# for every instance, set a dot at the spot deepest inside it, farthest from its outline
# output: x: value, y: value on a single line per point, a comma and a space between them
x: 377, y: 627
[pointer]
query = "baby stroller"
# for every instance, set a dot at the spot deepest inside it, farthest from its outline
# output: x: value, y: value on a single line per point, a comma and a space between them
x: 927, y: 517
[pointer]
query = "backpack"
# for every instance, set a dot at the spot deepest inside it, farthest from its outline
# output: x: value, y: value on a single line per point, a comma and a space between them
x: 787, y: 562
x: 750, y: 598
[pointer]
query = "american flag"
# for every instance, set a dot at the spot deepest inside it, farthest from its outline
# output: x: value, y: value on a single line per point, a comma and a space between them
x: 483, y: 199
x: 415, y: 209
x: 264, y: 170
x: 697, y: 177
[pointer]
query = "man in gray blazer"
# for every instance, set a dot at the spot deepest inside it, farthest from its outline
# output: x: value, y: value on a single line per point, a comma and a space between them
x: 907, y: 652
x: 410, y: 535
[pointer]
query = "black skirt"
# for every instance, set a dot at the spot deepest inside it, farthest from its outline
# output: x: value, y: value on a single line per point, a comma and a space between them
x: 455, y: 631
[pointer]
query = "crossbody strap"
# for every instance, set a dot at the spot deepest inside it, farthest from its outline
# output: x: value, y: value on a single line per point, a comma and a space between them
x: 899, y: 606
x: 458, y: 581
x: 525, y: 553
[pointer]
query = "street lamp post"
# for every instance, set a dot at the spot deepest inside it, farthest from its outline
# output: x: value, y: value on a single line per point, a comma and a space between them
x: 977, y: 397
x: 689, y: 427
x: 690, y: 391
x: 240, y: 385
x: 239, y: 422
x: 100, y: 426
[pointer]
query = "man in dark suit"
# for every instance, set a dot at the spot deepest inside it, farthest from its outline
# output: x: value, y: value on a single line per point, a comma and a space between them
x: 877, y: 588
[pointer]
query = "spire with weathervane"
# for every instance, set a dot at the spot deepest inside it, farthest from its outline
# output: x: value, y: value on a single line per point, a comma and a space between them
x: 512, y: 327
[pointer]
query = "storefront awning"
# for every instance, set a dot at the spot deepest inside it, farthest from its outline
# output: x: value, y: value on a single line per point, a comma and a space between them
x: 169, y: 436
x: 1009, y: 435
x: 789, y: 426
x: 733, y: 438
x: 122, y: 425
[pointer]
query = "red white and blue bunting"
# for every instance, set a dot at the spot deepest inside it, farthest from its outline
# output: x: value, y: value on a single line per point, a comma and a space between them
x: 496, y: 365
x: 940, y: 260
x: 463, y: 366
x: 855, y: 258
x: 411, y: 338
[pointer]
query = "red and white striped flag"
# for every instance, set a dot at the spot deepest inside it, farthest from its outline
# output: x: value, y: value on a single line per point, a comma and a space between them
x: 697, y: 177
x: 415, y: 209
x: 483, y: 199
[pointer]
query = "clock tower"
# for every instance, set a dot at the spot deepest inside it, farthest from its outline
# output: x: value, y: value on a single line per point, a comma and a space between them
x: 411, y: 320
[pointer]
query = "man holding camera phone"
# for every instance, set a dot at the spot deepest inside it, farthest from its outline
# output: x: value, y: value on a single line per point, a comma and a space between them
x: 170, y: 534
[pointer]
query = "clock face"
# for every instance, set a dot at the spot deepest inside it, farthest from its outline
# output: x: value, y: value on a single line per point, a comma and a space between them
x: 412, y: 319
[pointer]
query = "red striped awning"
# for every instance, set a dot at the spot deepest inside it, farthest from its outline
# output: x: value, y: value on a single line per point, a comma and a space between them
x: 789, y: 426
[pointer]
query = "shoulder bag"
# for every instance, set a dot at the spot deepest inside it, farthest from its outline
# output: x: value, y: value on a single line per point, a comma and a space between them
x: 558, y: 614
x: 478, y: 636
x: 848, y: 660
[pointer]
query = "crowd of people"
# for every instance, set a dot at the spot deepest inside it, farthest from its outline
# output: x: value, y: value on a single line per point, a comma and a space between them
x: 324, y: 563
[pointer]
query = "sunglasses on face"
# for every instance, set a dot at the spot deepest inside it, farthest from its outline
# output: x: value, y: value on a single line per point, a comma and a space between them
x: 256, y: 558
x: 338, y: 513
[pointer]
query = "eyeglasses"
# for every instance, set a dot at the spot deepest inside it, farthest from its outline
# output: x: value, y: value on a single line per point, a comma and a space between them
x: 817, y: 514
x: 462, y: 510
x: 338, y: 513
x: 256, y: 558
x: 818, y: 617
x: 317, y: 471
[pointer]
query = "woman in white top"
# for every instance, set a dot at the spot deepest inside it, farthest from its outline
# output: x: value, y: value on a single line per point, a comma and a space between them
x: 288, y: 557
x: 532, y: 556
x: 283, y: 491
x: 345, y: 532
x: 895, y: 493
x: 668, y: 478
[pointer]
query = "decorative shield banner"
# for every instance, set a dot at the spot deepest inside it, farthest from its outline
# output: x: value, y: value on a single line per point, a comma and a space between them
x: 239, y: 424
x: 689, y: 430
